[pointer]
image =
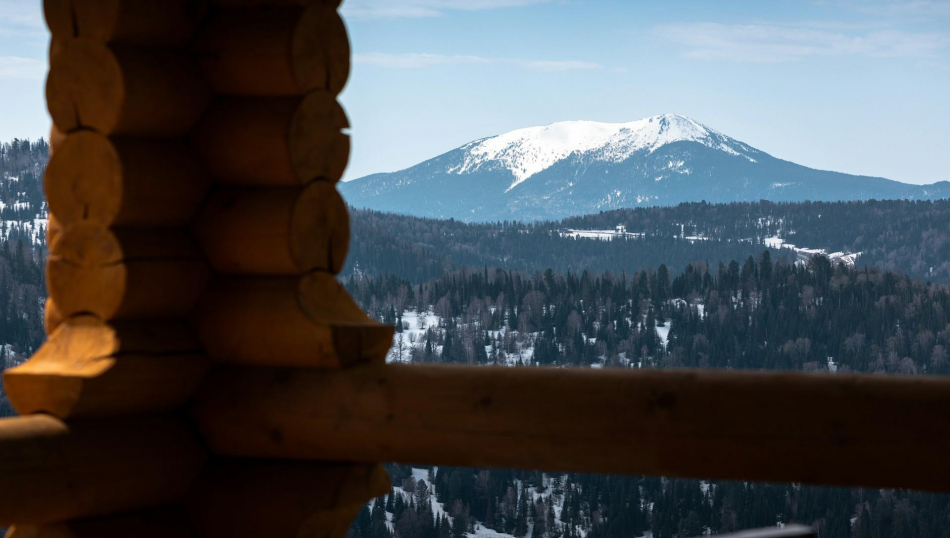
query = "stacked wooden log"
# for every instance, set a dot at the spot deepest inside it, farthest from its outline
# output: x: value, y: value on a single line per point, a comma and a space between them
x: 276, y: 231
x: 194, y: 222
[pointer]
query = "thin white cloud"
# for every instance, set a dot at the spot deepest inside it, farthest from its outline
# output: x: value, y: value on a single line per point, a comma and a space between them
x: 422, y: 60
x: 414, y: 60
x: 424, y: 8
x: 774, y: 43
x: 21, y: 18
x: 912, y: 8
x: 22, y: 68
x: 563, y: 65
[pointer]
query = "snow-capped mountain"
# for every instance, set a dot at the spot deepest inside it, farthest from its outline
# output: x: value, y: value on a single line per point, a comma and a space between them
x: 579, y: 167
x: 526, y: 152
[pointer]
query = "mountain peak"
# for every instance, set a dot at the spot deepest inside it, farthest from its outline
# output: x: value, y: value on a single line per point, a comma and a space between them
x: 580, y: 167
x: 526, y: 152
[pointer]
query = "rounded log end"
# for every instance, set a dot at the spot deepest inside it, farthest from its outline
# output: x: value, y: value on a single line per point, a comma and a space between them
x: 84, y: 86
x: 326, y: 301
x: 318, y: 146
x: 320, y: 238
x: 321, y: 50
x: 363, y: 343
x: 52, y: 380
x: 84, y: 273
x: 47, y: 393
x: 84, y: 180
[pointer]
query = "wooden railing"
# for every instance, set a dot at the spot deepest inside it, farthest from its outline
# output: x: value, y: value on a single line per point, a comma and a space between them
x: 785, y: 427
x: 206, y: 375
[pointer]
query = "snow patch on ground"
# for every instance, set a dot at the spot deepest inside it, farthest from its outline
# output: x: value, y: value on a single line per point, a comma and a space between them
x: 603, y: 235
x: 804, y: 254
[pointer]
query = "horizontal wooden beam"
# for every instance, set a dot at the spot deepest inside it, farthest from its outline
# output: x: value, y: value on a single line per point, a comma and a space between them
x: 54, y: 471
x: 787, y: 427
x: 158, y: 522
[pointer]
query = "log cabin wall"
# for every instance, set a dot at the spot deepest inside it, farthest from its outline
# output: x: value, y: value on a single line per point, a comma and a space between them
x: 206, y: 375
x: 194, y: 223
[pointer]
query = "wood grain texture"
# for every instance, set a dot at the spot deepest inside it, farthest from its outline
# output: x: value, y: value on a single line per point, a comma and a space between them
x: 844, y: 430
x: 278, y: 141
x: 278, y: 231
x: 53, y: 230
x: 122, y: 90
x: 53, y: 471
x: 51, y: 316
x: 123, y: 182
x: 282, y: 499
x: 56, y: 138
x: 88, y: 368
x: 309, y: 321
x: 275, y: 51
x: 160, y: 23
x: 125, y: 274
x: 148, y: 523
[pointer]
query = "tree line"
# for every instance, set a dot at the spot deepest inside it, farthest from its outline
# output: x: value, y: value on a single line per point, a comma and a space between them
x: 911, y: 237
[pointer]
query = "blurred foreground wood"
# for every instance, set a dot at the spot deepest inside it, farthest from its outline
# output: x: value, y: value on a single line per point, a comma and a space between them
x: 123, y: 182
x: 786, y: 427
x: 275, y: 231
x: 54, y: 471
x: 158, y: 522
x: 125, y: 274
x: 307, y: 322
x: 272, y: 498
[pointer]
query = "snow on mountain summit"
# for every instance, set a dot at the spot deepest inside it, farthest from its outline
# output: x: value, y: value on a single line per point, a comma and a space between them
x: 582, y: 167
x: 526, y: 152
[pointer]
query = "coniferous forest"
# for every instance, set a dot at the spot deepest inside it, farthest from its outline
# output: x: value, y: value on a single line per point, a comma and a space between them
x: 754, y: 314
x: 696, y: 285
x: 22, y: 252
x: 910, y: 237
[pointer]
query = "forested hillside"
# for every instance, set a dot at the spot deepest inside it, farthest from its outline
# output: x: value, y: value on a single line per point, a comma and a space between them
x: 22, y: 251
x: 757, y: 314
x: 910, y: 237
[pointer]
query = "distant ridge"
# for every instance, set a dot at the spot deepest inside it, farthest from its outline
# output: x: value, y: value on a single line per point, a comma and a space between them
x: 580, y: 167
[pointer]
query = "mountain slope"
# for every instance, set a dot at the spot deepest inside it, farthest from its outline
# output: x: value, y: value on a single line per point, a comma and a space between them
x: 580, y: 167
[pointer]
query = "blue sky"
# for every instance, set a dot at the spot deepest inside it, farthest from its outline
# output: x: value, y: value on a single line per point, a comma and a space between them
x: 858, y: 86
